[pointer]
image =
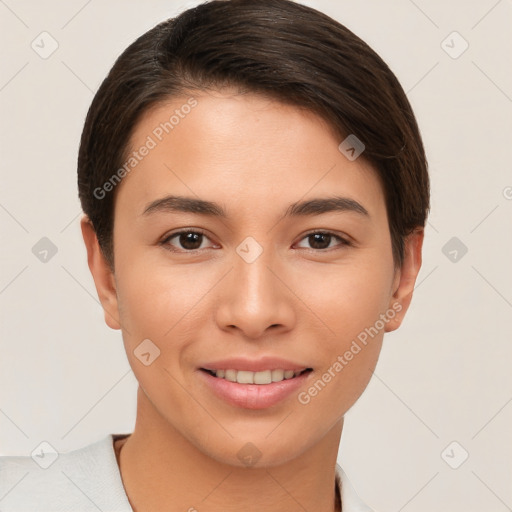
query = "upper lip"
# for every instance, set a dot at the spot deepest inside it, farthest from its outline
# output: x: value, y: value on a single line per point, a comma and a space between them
x: 254, y: 365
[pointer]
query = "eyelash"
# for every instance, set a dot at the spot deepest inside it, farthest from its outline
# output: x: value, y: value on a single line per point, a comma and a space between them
x: 165, y: 242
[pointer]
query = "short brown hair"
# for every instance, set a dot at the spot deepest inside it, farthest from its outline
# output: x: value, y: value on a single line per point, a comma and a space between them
x: 277, y: 48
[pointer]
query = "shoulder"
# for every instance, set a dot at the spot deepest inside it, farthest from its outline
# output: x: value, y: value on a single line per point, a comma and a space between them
x: 85, y: 479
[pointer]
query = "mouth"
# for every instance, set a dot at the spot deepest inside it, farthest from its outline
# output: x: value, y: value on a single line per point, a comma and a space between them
x: 254, y: 390
x: 264, y: 377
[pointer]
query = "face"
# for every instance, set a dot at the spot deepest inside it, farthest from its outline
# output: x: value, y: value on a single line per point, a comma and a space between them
x: 247, y: 277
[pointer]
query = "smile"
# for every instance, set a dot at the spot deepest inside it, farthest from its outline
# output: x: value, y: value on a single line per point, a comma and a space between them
x: 261, y: 377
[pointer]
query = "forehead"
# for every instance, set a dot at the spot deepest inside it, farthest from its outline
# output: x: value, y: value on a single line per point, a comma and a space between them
x: 249, y: 152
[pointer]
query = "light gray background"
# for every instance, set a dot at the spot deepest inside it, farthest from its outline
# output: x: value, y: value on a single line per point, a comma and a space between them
x: 443, y: 377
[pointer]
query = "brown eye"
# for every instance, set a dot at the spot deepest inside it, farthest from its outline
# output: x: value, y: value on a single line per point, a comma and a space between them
x: 186, y: 241
x: 322, y: 240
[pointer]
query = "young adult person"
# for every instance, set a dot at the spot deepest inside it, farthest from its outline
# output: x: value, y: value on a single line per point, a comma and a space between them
x: 255, y: 190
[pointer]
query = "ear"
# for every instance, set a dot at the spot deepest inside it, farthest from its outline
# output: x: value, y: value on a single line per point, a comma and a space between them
x: 101, y: 273
x: 405, y: 278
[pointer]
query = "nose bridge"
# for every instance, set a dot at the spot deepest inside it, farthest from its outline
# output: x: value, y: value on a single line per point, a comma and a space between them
x: 254, y: 299
x: 252, y: 275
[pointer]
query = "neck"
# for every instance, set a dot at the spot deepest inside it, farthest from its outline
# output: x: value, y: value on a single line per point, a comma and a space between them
x: 163, y: 470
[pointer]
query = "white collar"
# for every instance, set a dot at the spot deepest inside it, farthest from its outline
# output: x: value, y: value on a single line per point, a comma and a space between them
x: 350, y: 501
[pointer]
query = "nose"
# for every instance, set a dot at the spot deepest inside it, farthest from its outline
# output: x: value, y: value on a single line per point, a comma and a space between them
x: 255, y: 298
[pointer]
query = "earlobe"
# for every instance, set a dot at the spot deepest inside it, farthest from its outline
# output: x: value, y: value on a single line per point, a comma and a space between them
x: 406, y: 278
x: 101, y: 273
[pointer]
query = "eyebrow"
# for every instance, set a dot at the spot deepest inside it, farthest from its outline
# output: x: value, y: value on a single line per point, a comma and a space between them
x: 315, y: 206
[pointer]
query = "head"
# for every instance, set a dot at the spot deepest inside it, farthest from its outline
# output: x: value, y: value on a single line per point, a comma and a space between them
x: 267, y: 122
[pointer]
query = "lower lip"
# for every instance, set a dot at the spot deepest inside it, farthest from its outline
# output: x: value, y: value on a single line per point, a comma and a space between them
x: 254, y: 396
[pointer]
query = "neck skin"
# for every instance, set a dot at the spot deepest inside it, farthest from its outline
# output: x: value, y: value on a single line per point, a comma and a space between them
x: 163, y: 471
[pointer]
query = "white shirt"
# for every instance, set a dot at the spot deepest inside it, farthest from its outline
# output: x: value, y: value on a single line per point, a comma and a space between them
x: 88, y: 479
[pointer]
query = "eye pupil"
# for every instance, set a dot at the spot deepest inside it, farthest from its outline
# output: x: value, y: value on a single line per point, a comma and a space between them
x: 317, y: 237
x: 190, y: 238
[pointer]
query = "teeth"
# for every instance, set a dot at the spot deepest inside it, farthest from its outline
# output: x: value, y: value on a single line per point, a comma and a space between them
x: 263, y: 377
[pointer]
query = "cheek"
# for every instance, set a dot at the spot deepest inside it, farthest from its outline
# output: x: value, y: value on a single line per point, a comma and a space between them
x: 161, y: 302
x: 350, y: 304
x: 142, y: 300
x: 349, y: 298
